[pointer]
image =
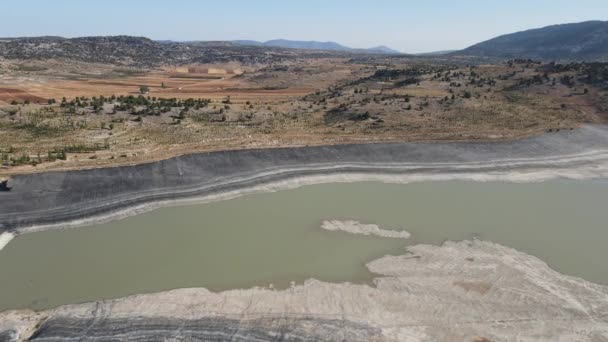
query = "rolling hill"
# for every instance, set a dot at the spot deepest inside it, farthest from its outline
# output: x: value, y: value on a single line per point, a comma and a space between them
x: 137, y: 51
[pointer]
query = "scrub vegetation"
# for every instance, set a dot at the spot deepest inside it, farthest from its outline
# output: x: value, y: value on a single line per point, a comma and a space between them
x: 78, y: 112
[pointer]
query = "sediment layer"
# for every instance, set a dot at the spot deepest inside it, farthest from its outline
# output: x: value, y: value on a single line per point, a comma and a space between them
x: 61, y: 199
x: 461, y: 291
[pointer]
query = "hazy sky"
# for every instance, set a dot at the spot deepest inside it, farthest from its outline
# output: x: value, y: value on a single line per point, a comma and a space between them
x: 409, y: 26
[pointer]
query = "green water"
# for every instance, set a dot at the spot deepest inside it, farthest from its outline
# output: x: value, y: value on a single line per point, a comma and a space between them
x: 275, y: 238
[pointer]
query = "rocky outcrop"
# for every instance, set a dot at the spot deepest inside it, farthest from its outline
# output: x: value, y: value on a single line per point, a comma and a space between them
x: 461, y: 291
x: 60, y: 199
x: 4, y: 185
x: 206, y: 329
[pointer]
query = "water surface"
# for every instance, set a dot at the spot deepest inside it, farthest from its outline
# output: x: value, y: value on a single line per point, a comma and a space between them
x: 275, y: 238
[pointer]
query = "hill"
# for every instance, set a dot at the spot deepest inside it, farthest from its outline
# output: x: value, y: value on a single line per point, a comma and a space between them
x: 136, y: 51
x: 567, y: 42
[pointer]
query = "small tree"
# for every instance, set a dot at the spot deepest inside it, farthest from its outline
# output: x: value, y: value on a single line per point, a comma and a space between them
x: 144, y: 89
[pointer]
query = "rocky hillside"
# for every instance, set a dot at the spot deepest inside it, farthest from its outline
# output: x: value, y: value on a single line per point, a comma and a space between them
x: 568, y: 42
x: 135, y: 51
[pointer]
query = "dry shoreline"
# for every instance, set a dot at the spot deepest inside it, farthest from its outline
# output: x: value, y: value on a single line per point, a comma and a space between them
x: 460, y: 291
x: 73, y: 198
x: 598, y: 169
x: 180, y: 151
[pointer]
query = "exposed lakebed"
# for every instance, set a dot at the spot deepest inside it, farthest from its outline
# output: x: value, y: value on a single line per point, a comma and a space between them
x: 275, y: 238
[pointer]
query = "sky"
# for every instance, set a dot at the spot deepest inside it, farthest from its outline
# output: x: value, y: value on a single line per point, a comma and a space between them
x: 407, y: 26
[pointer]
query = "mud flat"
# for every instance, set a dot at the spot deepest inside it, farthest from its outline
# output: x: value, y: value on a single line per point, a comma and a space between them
x: 460, y: 291
x: 71, y: 198
x: 356, y: 227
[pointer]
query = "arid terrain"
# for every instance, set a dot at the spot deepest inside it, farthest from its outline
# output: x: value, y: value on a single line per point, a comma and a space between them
x: 62, y: 114
x: 98, y: 132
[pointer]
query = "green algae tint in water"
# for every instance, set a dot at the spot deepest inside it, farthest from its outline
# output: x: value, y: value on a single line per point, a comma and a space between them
x: 250, y: 241
x: 275, y: 238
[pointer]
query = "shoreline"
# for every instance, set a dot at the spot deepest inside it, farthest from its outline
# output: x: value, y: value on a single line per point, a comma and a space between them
x: 74, y: 198
x: 177, y: 154
x: 595, y: 171
x: 420, y: 295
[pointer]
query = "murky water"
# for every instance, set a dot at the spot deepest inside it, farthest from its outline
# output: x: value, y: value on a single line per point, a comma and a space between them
x: 275, y: 238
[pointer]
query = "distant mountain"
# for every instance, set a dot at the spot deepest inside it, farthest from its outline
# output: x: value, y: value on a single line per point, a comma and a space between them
x: 384, y: 49
x: 248, y: 42
x: 314, y: 45
x: 306, y: 45
x: 567, y: 42
x: 435, y: 53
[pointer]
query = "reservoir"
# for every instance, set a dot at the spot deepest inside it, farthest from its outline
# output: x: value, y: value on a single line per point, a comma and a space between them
x: 275, y: 238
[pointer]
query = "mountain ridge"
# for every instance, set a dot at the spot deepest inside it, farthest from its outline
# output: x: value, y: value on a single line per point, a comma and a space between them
x: 315, y: 45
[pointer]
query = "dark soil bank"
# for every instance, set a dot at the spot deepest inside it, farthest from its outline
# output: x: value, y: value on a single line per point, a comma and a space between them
x: 56, y: 197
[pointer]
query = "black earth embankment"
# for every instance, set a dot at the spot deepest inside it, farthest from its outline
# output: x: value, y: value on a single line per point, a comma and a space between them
x: 57, y: 197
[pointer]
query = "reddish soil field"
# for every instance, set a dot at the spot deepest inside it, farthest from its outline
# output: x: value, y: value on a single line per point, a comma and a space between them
x: 10, y: 94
